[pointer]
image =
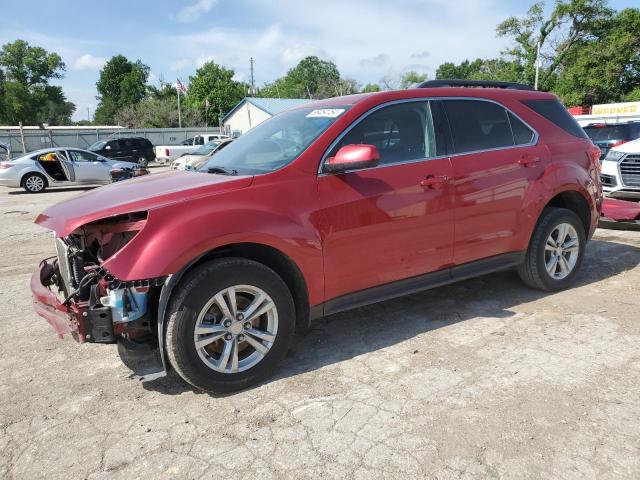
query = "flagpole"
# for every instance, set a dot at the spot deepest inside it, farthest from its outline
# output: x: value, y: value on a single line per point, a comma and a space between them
x: 179, y: 115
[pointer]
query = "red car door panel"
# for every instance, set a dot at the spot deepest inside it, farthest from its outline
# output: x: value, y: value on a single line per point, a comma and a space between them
x: 382, y: 225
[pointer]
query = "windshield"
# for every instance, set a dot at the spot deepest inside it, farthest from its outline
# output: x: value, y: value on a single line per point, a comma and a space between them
x: 206, y: 149
x: 275, y: 142
x: 609, y: 132
x: 97, y: 146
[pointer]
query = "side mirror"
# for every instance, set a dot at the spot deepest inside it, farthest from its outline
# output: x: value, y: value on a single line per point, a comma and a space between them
x: 353, y: 157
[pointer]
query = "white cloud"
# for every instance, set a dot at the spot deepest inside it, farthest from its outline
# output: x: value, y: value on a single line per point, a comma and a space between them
x: 180, y: 64
x: 423, y: 54
x: 88, y: 62
x: 193, y: 12
x: 377, y: 61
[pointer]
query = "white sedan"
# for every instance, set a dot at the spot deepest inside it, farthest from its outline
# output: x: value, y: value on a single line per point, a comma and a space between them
x: 58, y: 167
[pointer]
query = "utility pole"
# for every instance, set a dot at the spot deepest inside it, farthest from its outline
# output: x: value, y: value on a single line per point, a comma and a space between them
x: 252, y: 90
x: 535, y: 85
x: 88, y: 115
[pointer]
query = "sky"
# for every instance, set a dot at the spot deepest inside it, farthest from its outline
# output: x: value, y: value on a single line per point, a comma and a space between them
x: 367, y: 40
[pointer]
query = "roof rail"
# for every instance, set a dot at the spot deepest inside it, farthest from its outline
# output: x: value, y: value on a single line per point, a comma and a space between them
x: 474, y: 83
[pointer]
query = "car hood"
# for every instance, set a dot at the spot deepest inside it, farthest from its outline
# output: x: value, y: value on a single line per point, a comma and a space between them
x: 135, y: 195
x: 629, y: 147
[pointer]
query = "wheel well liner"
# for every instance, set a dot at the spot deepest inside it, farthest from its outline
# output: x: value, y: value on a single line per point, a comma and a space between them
x: 574, y: 201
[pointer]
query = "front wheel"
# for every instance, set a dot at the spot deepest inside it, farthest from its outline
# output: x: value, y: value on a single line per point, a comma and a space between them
x: 229, y: 324
x: 555, y: 252
x: 143, y: 162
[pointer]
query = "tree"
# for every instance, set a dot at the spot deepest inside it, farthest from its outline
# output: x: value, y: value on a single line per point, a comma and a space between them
x: 605, y: 67
x: 371, y: 87
x: 412, y: 78
x: 569, y: 23
x: 122, y: 83
x: 213, y: 92
x: 25, y: 93
x: 310, y: 78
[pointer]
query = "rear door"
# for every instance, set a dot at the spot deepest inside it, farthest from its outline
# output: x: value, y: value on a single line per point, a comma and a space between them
x: 393, y: 221
x: 495, y: 158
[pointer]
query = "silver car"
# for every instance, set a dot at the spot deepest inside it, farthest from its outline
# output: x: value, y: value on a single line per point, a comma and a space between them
x: 57, y: 167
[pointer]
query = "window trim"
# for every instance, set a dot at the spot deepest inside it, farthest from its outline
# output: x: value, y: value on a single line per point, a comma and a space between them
x: 534, y: 140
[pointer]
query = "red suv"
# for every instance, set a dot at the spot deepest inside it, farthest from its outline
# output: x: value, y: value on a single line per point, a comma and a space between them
x: 327, y: 207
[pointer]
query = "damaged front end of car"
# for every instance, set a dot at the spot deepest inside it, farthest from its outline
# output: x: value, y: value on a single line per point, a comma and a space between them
x: 78, y: 296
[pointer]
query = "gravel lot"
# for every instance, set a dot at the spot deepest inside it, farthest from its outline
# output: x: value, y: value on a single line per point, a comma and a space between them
x: 481, y: 379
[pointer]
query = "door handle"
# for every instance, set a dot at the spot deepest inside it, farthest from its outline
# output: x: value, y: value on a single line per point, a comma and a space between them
x: 434, y: 181
x: 527, y: 161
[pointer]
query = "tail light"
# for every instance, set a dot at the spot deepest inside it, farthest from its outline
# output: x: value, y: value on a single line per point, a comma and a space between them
x: 5, y: 165
x: 594, y: 153
x: 166, y: 152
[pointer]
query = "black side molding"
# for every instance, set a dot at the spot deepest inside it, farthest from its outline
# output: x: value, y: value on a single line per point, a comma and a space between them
x: 474, y: 84
x: 417, y: 284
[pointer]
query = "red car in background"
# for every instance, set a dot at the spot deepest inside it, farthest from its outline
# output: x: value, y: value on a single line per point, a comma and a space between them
x: 327, y: 207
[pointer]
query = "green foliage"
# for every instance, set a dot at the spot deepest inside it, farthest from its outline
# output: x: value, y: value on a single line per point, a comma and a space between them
x: 411, y: 78
x: 25, y: 93
x: 311, y: 78
x: 213, y: 85
x: 605, y: 67
x: 122, y: 83
x: 370, y: 88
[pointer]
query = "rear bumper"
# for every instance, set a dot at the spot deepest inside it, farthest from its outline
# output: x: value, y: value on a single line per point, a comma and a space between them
x: 48, y: 306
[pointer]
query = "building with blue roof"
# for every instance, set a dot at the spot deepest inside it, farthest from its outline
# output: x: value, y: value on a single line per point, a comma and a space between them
x: 252, y: 111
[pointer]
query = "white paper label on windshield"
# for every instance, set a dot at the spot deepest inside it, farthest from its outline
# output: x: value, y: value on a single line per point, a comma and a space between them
x: 326, y: 113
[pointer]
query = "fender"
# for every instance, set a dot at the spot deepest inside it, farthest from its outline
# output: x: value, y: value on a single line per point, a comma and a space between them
x: 559, y: 177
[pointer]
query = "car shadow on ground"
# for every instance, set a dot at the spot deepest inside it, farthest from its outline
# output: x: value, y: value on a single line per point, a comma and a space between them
x: 346, y: 335
x: 55, y: 189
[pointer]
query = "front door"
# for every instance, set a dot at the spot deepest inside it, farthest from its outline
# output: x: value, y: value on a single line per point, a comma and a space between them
x: 495, y: 160
x: 88, y: 167
x: 394, y: 221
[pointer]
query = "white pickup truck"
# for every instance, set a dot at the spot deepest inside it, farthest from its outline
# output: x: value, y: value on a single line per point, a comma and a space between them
x: 168, y: 153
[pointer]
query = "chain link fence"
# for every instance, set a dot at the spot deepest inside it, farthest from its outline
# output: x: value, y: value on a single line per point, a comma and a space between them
x: 36, y: 139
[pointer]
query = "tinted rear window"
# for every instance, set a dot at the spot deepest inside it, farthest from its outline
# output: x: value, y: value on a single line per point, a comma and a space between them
x: 478, y: 125
x: 555, y: 112
x: 608, y: 132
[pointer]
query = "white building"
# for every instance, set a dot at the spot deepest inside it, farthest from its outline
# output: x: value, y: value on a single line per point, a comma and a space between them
x: 251, y: 111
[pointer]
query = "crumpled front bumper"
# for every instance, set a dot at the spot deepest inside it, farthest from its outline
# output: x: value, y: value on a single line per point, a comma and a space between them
x: 47, y: 304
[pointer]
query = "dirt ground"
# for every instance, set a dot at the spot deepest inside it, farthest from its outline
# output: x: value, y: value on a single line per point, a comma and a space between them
x: 481, y: 379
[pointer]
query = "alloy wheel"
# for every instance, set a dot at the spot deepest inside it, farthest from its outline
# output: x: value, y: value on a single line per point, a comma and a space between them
x: 34, y: 183
x: 561, y: 251
x: 236, y: 329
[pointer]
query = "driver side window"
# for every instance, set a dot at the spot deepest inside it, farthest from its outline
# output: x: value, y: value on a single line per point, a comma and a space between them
x: 78, y: 156
x: 401, y: 132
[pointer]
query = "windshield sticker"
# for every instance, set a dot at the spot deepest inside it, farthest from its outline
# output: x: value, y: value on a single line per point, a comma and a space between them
x: 326, y: 113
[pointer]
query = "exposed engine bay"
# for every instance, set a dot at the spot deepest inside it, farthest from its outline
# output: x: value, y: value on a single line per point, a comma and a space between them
x: 103, y: 308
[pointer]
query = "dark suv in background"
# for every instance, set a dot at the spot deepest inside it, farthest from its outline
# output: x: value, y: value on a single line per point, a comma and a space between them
x: 606, y: 136
x: 130, y: 149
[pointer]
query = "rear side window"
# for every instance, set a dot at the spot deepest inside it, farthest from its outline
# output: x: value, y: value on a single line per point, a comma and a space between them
x: 555, y: 112
x: 522, y: 134
x: 478, y: 125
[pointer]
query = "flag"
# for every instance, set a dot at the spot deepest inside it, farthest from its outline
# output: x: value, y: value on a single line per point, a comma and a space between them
x: 180, y: 86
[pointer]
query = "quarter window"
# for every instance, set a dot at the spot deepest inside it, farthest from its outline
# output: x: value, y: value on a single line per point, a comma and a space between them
x: 522, y: 134
x: 478, y: 125
x: 401, y: 132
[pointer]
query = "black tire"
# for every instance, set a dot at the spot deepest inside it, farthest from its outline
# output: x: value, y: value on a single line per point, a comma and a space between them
x: 31, y: 179
x: 533, y: 271
x: 143, y: 162
x: 190, y: 297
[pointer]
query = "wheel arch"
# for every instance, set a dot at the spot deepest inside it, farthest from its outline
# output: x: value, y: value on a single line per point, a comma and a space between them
x: 267, y: 255
x: 576, y: 202
x: 32, y: 171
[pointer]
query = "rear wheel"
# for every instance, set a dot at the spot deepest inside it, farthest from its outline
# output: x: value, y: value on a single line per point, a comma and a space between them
x: 231, y: 321
x: 143, y: 162
x: 34, y: 183
x: 555, y: 252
